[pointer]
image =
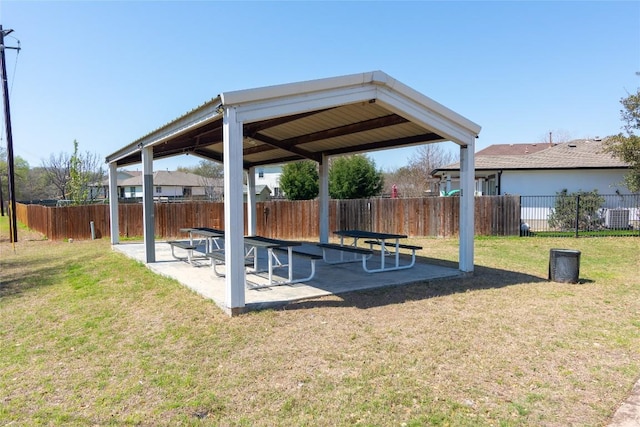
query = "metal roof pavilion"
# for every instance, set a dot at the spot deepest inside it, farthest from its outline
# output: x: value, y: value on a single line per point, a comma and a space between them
x: 356, y: 113
x: 306, y: 120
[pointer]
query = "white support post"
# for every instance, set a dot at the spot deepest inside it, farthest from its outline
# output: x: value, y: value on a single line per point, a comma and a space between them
x: 323, y: 199
x: 233, y: 212
x: 467, y: 175
x: 251, y: 202
x: 149, y: 216
x: 113, y: 203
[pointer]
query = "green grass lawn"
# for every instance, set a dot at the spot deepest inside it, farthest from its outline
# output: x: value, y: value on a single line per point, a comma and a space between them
x: 89, y: 337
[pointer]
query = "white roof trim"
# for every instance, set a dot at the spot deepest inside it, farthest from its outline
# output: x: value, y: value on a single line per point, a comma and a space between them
x: 298, y: 88
x: 198, y: 116
x: 267, y: 102
x: 432, y: 119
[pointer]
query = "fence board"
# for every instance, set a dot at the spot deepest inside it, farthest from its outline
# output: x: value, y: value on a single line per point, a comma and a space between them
x: 431, y: 216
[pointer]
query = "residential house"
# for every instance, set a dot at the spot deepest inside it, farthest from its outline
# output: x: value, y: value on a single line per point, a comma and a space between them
x: 269, y: 176
x: 541, y: 169
x: 167, y: 185
x: 176, y: 185
x: 263, y: 193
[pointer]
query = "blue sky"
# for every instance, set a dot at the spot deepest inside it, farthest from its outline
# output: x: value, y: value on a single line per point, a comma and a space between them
x: 107, y: 73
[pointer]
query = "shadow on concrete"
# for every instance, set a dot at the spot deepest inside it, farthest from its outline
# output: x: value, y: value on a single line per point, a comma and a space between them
x: 430, y: 277
x: 483, y: 278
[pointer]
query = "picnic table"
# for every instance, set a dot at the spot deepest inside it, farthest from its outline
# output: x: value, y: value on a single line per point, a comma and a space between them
x: 389, y: 244
x: 197, y: 236
x: 209, y: 235
x: 253, y: 243
x: 214, y: 250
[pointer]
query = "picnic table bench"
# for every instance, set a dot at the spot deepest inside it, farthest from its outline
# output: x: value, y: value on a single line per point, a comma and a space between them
x: 197, y: 237
x: 187, y: 246
x: 389, y: 247
x: 385, y: 248
x: 312, y: 257
x: 358, y: 253
x: 273, y: 247
x: 218, y: 258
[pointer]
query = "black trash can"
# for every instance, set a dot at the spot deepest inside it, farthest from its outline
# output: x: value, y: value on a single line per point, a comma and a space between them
x: 564, y: 265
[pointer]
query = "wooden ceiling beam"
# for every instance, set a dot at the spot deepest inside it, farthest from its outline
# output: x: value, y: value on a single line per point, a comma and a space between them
x: 286, y: 159
x: 288, y: 144
x: 379, y: 122
x: 251, y: 129
x: 208, y: 154
x: 417, y: 139
x: 276, y: 144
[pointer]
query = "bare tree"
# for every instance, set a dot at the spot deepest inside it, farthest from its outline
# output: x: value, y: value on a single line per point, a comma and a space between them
x: 212, y: 174
x: 74, y: 175
x: 57, y: 171
x: 557, y: 136
x: 414, y: 180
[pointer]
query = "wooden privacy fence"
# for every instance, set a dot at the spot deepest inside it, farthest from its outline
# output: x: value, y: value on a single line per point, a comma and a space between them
x: 431, y: 216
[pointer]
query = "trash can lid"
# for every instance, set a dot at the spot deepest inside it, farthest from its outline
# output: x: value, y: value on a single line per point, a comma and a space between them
x: 566, y: 251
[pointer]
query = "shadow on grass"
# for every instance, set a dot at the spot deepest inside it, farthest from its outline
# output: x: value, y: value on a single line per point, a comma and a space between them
x: 21, y: 275
x: 483, y: 278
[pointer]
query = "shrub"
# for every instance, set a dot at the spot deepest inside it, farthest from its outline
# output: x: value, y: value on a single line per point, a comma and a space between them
x: 581, y: 205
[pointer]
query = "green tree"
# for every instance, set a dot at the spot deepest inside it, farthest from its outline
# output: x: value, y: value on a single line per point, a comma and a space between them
x: 20, y: 177
x: 36, y: 187
x: 21, y: 170
x: 299, y: 180
x: 583, y: 205
x: 78, y: 181
x: 74, y: 176
x: 354, y: 177
x: 627, y: 147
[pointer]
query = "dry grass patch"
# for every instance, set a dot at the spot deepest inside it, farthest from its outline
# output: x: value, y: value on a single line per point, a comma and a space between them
x: 92, y: 338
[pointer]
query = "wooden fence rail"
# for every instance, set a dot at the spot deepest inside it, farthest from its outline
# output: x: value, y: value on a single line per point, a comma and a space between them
x: 431, y: 216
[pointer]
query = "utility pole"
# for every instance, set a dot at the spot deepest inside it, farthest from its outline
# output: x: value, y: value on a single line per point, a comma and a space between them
x: 13, y: 228
x: 1, y: 198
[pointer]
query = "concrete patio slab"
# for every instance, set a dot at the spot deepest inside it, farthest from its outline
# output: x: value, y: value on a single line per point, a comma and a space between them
x: 329, y: 279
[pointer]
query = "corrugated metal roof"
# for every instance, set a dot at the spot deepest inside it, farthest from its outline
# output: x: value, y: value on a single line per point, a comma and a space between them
x: 326, y: 116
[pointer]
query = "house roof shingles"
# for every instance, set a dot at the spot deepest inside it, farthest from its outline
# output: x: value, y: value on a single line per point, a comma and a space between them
x: 579, y: 154
x: 168, y: 178
x: 512, y: 149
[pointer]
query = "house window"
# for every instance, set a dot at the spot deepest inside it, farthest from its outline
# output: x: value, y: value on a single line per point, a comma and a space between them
x: 158, y: 190
x: 492, y: 187
x: 260, y: 173
x: 132, y: 191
